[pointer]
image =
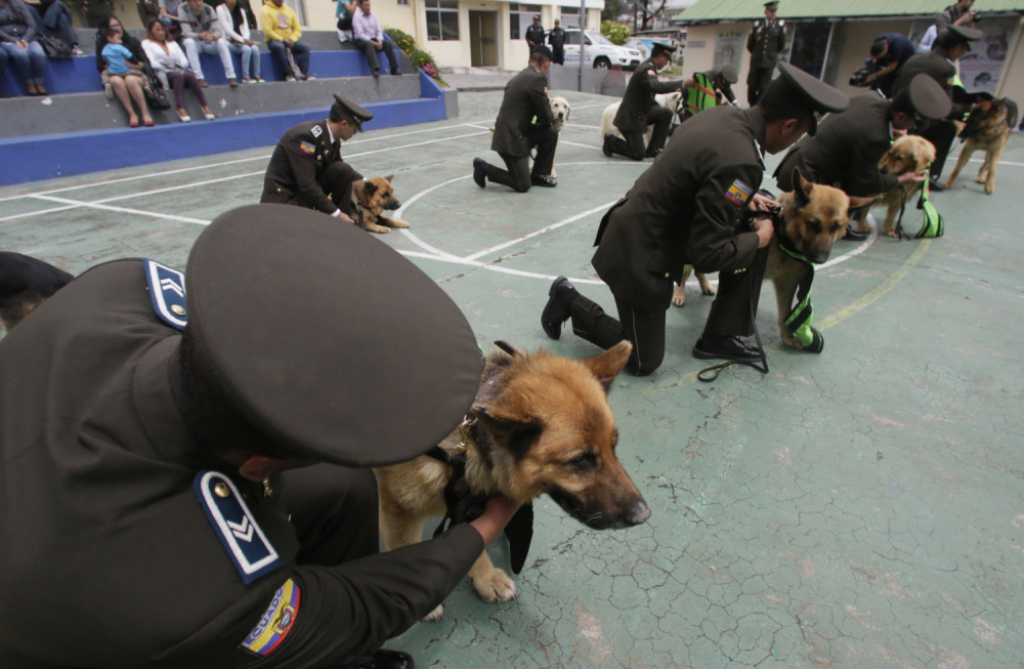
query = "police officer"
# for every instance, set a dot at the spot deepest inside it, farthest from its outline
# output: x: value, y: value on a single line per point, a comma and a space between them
x: 690, y: 206
x: 535, y: 33
x: 306, y: 168
x: 765, y: 43
x: 524, y: 121
x: 639, y: 109
x: 704, y: 90
x: 147, y: 517
x: 556, y: 38
x: 848, y: 146
x: 949, y: 46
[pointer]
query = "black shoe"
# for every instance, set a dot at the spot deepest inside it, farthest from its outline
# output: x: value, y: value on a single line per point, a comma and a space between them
x: 384, y: 659
x: 479, y: 172
x: 376, y: 74
x: 935, y: 186
x: 652, y: 153
x: 607, y: 147
x: 543, y: 180
x: 715, y: 347
x: 854, y: 235
x: 558, y: 308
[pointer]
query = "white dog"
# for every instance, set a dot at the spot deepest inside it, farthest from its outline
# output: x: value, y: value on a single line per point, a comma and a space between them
x: 669, y: 100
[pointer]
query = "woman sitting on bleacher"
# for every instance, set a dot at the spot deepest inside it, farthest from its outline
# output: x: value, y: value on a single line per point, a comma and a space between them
x: 125, y: 75
x: 171, y: 66
x: 235, y: 25
x: 111, y: 23
x: 18, y: 40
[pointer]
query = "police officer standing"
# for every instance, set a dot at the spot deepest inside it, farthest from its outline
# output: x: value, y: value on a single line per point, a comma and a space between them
x: 535, y: 33
x: 306, y: 169
x: 524, y: 121
x: 938, y: 64
x: 161, y: 507
x: 765, y: 43
x: 705, y: 89
x: 692, y: 205
x: 639, y: 109
x: 556, y: 38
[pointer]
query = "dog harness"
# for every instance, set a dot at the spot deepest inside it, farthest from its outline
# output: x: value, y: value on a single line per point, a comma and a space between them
x: 701, y: 95
x: 933, y: 226
x: 799, y: 320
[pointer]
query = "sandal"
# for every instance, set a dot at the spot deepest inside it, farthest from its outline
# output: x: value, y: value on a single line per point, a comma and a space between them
x: 148, y: 123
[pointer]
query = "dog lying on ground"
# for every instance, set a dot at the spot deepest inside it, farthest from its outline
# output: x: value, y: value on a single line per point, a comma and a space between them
x: 540, y: 424
x: 988, y: 128
x: 25, y: 282
x: 370, y: 198
x: 670, y: 100
x: 909, y: 153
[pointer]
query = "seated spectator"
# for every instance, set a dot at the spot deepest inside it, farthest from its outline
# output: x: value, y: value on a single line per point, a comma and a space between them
x: 126, y: 78
x: 232, y: 19
x: 343, y: 19
x: 3, y: 66
x: 171, y: 67
x: 282, y: 31
x: 18, y: 40
x: 169, y: 17
x: 202, y: 33
x: 367, y: 35
x: 111, y: 23
x: 53, y: 18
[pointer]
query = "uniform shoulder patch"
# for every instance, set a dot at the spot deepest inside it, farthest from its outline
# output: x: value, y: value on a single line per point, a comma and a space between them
x: 277, y: 620
x: 235, y: 526
x: 739, y: 193
x: 167, y: 293
x: 317, y: 131
x: 307, y: 148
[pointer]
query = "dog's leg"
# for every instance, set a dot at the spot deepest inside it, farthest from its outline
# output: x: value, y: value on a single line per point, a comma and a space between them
x: 370, y: 226
x: 889, y: 227
x: 392, y: 222
x: 679, y: 297
x: 861, y: 219
x: 705, y: 286
x: 491, y: 583
x: 785, y: 288
x: 993, y: 159
x: 965, y: 155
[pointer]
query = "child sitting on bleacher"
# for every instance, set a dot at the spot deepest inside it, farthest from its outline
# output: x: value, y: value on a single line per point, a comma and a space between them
x: 126, y: 78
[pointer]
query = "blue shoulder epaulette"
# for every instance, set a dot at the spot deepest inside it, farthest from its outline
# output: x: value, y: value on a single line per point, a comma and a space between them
x: 167, y: 292
x: 235, y: 526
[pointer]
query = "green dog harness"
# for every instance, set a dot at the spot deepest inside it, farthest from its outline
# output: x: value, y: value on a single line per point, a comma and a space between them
x: 799, y: 320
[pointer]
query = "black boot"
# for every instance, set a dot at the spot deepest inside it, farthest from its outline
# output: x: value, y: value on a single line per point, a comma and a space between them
x: 559, y: 306
x: 479, y: 172
x: 854, y: 235
x: 606, y: 148
x: 715, y: 347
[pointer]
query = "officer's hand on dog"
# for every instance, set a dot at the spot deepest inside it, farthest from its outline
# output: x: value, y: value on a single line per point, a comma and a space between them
x: 495, y: 517
x: 912, y: 178
x: 761, y: 202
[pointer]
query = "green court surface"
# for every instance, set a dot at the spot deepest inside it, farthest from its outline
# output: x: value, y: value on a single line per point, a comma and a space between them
x: 859, y: 508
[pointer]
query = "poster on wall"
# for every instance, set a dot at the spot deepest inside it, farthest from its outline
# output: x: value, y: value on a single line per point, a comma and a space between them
x: 729, y: 49
x: 981, y: 68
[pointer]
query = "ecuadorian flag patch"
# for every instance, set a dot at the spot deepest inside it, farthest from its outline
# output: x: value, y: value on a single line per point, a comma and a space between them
x: 276, y: 622
x: 307, y: 148
x: 739, y: 193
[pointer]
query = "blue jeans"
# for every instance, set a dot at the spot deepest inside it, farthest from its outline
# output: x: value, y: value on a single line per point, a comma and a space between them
x: 56, y: 21
x: 250, y: 59
x: 299, y: 50
x: 30, y: 63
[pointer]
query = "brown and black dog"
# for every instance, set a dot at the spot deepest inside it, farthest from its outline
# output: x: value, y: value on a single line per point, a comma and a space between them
x: 909, y: 153
x: 542, y: 424
x: 988, y: 128
x: 370, y: 198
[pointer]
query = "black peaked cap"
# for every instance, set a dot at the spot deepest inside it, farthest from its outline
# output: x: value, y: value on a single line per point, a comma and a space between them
x: 326, y: 340
x: 354, y: 112
x: 925, y: 97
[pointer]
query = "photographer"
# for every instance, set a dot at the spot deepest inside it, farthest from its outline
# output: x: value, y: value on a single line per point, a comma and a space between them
x: 959, y: 15
x: 888, y: 54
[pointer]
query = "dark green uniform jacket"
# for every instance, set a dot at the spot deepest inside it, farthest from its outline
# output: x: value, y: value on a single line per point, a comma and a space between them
x: 846, y: 149
x: 639, y: 98
x: 765, y: 43
x: 301, y: 156
x: 108, y: 558
x: 938, y: 67
x: 685, y: 208
x: 526, y: 97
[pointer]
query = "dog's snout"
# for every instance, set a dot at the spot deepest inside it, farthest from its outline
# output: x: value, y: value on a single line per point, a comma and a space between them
x: 393, y: 204
x: 638, y: 513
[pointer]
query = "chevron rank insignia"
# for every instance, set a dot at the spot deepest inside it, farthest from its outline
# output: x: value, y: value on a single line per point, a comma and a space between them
x: 277, y: 620
x: 167, y: 293
x: 235, y: 526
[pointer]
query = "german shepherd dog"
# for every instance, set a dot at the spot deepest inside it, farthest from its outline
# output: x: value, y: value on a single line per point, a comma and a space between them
x: 542, y: 424
x: 909, y: 153
x: 370, y: 198
x: 988, y: 128
x: 25, y: 282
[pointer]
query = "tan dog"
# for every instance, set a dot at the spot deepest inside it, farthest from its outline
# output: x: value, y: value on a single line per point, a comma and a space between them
x: 909, y: 153
x: 370, y: 198
x: 988, y: 128
x: 540, y: 424
x: 670, y: 100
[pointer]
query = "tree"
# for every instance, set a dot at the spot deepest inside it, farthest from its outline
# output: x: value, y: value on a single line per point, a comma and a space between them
x: 644, y: 15
x: 611, y: 10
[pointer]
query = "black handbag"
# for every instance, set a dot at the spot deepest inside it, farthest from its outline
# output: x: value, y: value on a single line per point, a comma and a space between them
x: 344, y: 21
x: 154, y: 89
x: 54, y: 47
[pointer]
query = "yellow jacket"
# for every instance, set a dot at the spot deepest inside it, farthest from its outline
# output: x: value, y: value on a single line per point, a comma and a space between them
x: 279, y: 23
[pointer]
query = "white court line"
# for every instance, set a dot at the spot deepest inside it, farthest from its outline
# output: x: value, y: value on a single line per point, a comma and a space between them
x: 125, y: 210
x: 553, y: 226
x: 1001, y: 162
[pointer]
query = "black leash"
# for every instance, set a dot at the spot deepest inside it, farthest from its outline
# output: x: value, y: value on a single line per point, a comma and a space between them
x: 900, y: 235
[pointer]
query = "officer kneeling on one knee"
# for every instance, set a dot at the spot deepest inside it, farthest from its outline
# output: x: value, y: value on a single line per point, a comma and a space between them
x: 639, y: 109
x: 690, y: 206
x: 184, y: 457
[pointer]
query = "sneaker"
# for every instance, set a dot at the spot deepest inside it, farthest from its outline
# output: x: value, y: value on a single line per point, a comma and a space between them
x: 559, y: 307
x: 308, y: 77
x: 248, y: 81
x: 290, y: 78
x: 75, y: 51
x: 719, y: 347
x: 260, y: 81
x: 479, y: 172
x: 233, y: 83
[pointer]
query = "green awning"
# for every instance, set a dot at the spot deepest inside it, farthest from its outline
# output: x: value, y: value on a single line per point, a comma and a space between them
x: 748, y: 10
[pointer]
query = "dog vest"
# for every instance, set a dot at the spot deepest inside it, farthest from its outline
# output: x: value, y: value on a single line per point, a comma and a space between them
x: 701, y: 95
x: 799, y: 320
x: 933, y: 225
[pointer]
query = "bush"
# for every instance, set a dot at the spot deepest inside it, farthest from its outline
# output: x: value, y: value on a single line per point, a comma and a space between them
x: 617, y: 32
x: 419, y: 57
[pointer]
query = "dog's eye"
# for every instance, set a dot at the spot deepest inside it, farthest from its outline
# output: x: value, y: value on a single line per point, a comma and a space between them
x: 584, y: 462
x: 836, y: 226
x: 814, y: 225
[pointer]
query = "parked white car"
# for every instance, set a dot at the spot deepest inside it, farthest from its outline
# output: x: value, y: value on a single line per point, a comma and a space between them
x: 600, y: 51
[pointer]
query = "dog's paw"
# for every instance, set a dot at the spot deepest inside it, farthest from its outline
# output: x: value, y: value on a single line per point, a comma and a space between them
x: 989, y: 189
x: 889, y: 232
x: 707, y: 290
x: 679, y: 297
x: 377, y: 229
x: 495, y: 587
x: 791, y: 341
x: 435, y: 615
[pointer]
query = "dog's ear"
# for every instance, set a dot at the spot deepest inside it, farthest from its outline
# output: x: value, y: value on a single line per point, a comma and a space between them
x: 511, y: 431
x: 507, y: 348
x: 568, y: 112
x: 608, y: 365
x: 369, y: 188
x: 389, y: 177
x: 801, y: 188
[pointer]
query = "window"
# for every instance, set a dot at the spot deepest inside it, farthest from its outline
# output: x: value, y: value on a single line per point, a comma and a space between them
x: 521, y: 18
x: 442, y: 19
x: 299, y: 7
x: 570, y: 17
x: 403, y: 3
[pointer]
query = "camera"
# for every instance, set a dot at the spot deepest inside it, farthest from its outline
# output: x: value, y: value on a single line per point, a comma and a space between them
x: 860, y: 77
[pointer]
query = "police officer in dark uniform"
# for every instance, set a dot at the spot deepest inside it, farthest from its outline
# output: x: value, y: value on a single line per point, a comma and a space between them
x: 690, y: 207
x: 765, y: 43
x: 639, y: 109
x: 848, y: 146
x: 524, y: 121
x: 949, y: 46
x: 707, y: 89
x: 147, y: 517
x: 535, y: 33
x: 306, y: 168
x: 556, y: 38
